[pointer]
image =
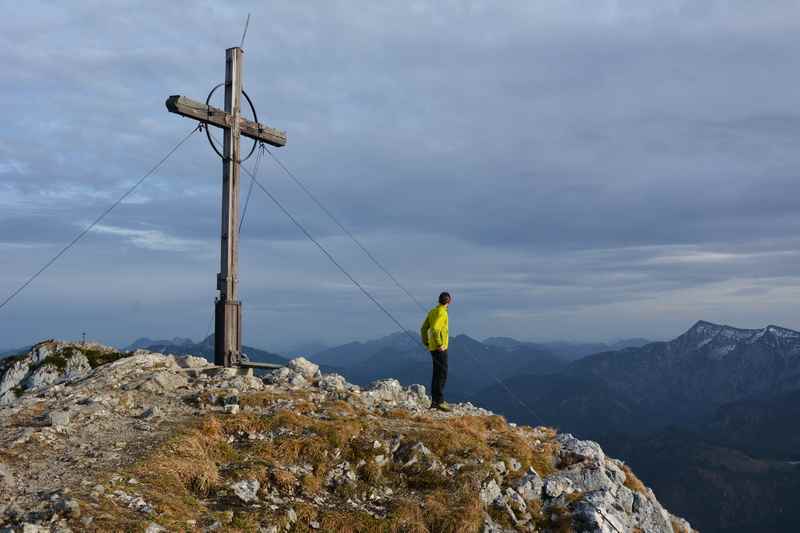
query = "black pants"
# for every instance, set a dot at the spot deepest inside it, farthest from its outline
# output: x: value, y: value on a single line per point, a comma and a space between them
x: 439, y: 376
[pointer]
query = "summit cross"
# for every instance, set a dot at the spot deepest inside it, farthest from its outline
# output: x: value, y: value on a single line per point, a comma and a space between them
x: 227, y: 307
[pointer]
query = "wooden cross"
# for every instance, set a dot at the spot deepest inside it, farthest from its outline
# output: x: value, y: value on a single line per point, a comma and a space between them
x: 227, y: 309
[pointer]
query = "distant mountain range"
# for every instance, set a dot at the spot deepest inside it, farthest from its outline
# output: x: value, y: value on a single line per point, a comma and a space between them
x: 709, y: 419
x: 204, y: 348
x: 305, y: 348
x: 567, y: 350
x: 661, y: 383
x: 398, y: 356
x: 144, y: 342
x: 15, y: 351
x: 473, y: 365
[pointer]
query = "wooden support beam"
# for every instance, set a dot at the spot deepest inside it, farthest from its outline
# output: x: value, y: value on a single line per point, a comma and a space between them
x: 254, y: 364
x: 187, y: 107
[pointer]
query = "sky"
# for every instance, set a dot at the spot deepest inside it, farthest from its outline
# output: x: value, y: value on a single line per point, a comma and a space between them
x: 579, y: 170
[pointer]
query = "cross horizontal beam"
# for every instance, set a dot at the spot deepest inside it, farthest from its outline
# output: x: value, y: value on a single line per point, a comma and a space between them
x: 217, y: 117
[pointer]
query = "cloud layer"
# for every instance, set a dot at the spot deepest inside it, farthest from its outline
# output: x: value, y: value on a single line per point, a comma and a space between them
x: 567, y: 169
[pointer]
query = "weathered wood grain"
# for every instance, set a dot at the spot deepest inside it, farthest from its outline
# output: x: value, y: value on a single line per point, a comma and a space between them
x: 187, y: 107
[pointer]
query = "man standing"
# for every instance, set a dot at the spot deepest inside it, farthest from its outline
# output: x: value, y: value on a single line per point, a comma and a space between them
x: 435, y: 337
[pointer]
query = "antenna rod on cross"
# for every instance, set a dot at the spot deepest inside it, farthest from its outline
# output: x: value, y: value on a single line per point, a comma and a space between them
x: 227, y: 307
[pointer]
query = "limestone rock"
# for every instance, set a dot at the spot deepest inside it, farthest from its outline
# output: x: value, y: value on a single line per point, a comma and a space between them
x: 418, y: 458
x: 42, y: 351
x: 164, y: 381
x: 332, y: 383
x: 152, y: 412
x: 246, y: 490
x: 245, y: 383
x: 490, y: 492
x: 304, y: 367
x: 6, y: 477
x: 555, y: 486
x: 298, y: 381
x: 12, y: 378
x: 137, y: 503
x: 286, y: 376
x: 417, y: 393
x: 574, y: 450
x: 341, y: 474
x: 389, y: 390
x: 530, y: 485
x: 59, y: 418
x: 191, y: 361
x: 69, y: 507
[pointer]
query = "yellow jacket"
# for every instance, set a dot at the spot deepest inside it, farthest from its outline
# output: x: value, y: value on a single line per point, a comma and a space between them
x: 434, y: 332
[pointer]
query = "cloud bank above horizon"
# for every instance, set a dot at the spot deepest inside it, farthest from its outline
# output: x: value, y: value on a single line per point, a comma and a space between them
x: 568, y: 170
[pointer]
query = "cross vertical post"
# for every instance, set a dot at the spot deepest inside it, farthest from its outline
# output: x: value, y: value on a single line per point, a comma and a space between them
x: 227, y: 308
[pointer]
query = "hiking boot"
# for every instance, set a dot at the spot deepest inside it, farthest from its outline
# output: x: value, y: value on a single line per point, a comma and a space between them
x: 443, y: 407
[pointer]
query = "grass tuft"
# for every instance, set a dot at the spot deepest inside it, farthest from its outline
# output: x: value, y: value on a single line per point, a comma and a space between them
x: 633, y: 482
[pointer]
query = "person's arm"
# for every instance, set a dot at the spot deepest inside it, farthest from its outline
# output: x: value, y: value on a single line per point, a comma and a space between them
x: 438, y: 329
x: 424, y: 331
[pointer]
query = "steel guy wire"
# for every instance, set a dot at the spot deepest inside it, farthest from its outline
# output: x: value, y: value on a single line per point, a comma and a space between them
x: 96, y: 221
x: 330, y: 257
x: 416, y: 341
x: 210, y: 322
x: 342, y: 227
x: 250, y: 188
x: 385, y: 270
x: 328, y: 254
x: 504, y: 386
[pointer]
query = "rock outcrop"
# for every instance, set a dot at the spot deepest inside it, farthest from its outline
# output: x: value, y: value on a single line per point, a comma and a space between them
x: 95, y: 440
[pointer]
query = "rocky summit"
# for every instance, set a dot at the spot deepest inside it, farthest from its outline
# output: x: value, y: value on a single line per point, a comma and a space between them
x: 92, y: 439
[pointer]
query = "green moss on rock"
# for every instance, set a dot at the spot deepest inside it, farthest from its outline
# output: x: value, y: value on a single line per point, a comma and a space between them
x: 98, y: 357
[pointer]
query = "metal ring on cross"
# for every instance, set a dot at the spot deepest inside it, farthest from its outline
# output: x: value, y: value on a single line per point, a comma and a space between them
x: 255, y: 117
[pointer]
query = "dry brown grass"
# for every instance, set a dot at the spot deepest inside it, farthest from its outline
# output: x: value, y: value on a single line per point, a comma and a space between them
x: 265, y: 399
x: 399, y: 414
x: 559, y: 520
x: 464, y: 437
x: 33, y: 416
x: 536, y: 511
x: 182, y: 470
x: 439, y: 512
x: 633, y: 482
x: 186, y: 478
x: 450, y: 512
x: 541, y: 457
x: 110, y: 516
x: 349, y: 522
x: 574, y: 497
x: 186, y: 469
